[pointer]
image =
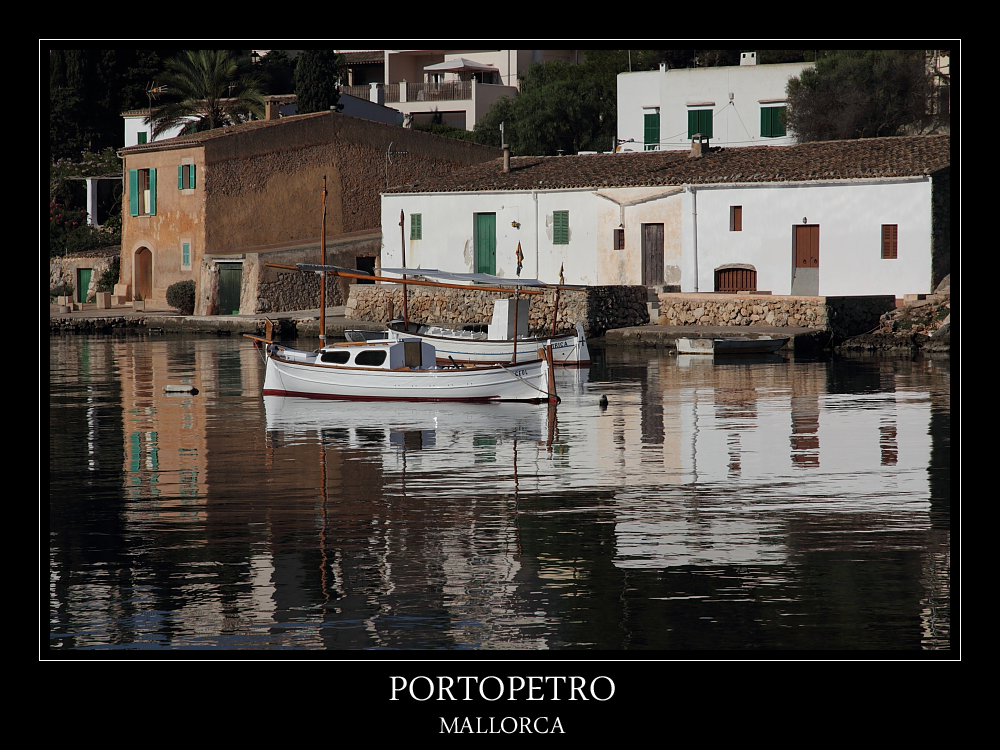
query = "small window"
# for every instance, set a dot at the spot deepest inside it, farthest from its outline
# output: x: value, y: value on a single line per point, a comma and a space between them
x: 699, y: 121
x: 772, y: 122
x: 651, y: 131
x: 185, y: 177
x: 416, y: 227
x: 185, y: 254
x: 560, y: 227
x: 736, y: 218
x: 890, y: 234
x: 142, y: 192
x: 335, y: 358
x: 370, y: 358
x: 142, y: 137
x: 619, y: 239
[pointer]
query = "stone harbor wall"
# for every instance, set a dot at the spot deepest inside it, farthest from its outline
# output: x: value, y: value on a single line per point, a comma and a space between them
x: 598, y: 308
x: 843, y: 316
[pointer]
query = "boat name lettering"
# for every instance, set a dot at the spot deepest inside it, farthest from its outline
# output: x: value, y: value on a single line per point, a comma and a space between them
x: 493, y: 688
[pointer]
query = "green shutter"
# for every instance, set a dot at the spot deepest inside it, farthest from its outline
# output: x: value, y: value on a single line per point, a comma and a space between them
x: 191, y: 176
x: 560, y: 227
x: 152, y: 192
x: 416, y: 228
x: 700, y: 121
x: 772, y: 122
x: 180, y: 176
x: 133, y: 192
x: 142, y: 137
x: 651, y: 131
x: 185, y: 254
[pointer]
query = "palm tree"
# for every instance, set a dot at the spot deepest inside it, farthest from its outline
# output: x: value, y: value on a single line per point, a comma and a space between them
x: 201, y: 88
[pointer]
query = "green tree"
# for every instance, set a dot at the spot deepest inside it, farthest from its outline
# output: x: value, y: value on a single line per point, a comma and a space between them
x: 317, y: 76
x: 204, y: 89
x: 858, y: 94
x: 277, y: 72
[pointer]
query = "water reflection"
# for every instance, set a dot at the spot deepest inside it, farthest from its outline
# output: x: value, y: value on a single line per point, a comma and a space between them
x: 764, y: 504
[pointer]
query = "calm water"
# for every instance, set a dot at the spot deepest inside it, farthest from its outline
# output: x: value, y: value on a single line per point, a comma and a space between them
x: 781, y: 504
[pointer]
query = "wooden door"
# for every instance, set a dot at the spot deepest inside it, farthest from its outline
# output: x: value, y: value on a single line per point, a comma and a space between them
x: 82, y: 283
x: 230, y: 280
x: 143, y: 274
x: 652, y: 254
x: 807, y: 246
x: 736, y: 280
x: 486, y: 243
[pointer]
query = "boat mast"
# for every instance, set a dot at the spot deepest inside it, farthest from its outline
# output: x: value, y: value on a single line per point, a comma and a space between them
x: 402, y: 245
x: 322, y: 276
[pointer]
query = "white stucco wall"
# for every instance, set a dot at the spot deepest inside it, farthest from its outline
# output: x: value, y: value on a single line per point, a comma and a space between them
x: 134, y: 124
x: 850, y: 216
x: 736, y: 120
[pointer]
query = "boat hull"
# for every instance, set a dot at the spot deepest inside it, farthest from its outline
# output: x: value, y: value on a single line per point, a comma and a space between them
x: 308, y: 378
x: 570, y: 350
x: 736, y: 345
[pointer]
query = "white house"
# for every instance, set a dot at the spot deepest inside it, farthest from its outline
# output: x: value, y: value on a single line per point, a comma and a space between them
x: 832, y: 218
x: 736, y: 105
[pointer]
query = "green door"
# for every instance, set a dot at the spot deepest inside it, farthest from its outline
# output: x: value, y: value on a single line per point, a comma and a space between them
x: 486, y: 243
x: 230, y: 278
x: 82, y: 283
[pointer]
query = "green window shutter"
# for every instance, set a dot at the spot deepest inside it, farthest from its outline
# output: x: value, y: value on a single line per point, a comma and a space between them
x: 772, y: 122
x: 191, y: 176
x: 185, y: 254
x: 180, y: 176
x: 560, y: 227
x: 651, y: 131
x: 152, y: 192
x: 133, y: 192
x: 700, y: 121
x: 416, y: 227
x: 142, y: 137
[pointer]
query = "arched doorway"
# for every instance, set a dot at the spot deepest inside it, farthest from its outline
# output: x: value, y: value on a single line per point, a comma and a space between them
x: 142, y: 274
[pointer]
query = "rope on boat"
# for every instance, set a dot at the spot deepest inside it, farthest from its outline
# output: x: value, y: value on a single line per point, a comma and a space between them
x: 547, y: 395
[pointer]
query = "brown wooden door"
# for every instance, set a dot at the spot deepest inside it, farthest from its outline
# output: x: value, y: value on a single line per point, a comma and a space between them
x: 652, y: 254
x: 143, y: 281
x: 807, y: 246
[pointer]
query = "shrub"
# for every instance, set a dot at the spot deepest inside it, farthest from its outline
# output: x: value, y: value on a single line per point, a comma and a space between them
x: 110, y: 277
x: 181, y: 297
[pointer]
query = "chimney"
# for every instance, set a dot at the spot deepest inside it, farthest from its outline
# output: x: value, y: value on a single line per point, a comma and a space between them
x: 748, y: 58
x: 272, y: 108
x: 697, y: 149
x: 506, y: 157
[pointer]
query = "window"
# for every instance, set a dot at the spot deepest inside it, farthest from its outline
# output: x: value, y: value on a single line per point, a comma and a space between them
x: 185, y: 254
x: 416, y: 227
x: 143, y: 135
x: 370, y: 357
x: 560, y: 227
x: 651, y: 131
x: 736, y: 218
x: 772, y: 122
x: 335, y: 358
x: 142, y: 192
x: 185, y: 177
x: 890, y: 234
x: 619, y: 239
x: 699, y: 121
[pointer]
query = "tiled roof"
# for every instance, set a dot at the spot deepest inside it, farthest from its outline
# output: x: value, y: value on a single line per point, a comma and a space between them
x: 364, y: 58
x: 901, y: 156
x: 183, y: 141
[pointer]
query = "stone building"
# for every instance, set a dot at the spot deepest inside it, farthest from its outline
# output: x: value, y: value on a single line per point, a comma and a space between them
x: 252, y: 194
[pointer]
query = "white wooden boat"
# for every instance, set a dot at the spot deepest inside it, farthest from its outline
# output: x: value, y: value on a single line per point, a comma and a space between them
x: 731, y: 345
x: 398, y: 370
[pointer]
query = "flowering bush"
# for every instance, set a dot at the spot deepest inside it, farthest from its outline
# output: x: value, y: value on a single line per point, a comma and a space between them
x: 63, y: 221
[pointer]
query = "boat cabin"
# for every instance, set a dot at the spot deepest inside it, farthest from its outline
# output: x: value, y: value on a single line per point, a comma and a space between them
x: 385, y: 355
